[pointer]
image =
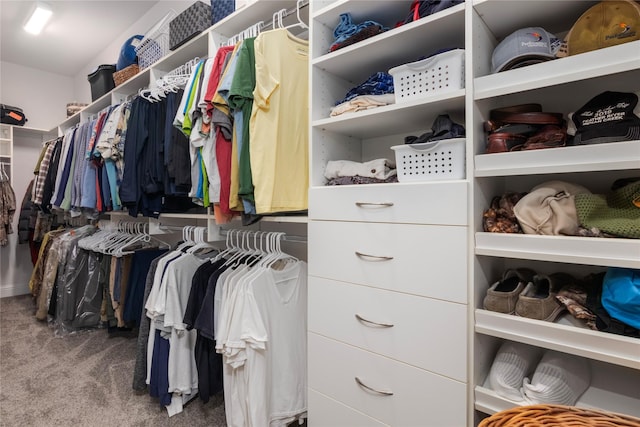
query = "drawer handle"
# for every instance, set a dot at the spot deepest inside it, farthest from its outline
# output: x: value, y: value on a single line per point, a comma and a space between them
x: 375, y: 204
x: 381, y: 258
x: 363, y: 385
x: 383, y: 325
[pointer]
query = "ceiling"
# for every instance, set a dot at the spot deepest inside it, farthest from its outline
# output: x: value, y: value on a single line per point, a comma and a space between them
x: 77, y: 32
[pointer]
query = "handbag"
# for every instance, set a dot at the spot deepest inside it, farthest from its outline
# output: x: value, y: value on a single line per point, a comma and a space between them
x: 549, y: 209
x: 12, y: 115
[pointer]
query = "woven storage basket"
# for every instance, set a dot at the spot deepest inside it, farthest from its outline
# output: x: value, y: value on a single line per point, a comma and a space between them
x: 125, y: 74
x: 557, y: 416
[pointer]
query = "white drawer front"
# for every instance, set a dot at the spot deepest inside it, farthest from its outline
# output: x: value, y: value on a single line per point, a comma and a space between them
x: 426, y: 260
x: 419, y: 203
x: 326, y: 412
x: 426, y: 333
x: 419, y: 398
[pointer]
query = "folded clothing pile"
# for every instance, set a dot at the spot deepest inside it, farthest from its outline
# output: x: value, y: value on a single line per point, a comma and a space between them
x: 347, y: 33
x: 524, y: 127
x: 376, y: 91
x: 422, y: 8
x: 442, y: 128
x: 347, y: 172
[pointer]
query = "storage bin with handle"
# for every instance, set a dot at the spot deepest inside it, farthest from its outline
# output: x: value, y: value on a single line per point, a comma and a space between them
x: 437, y: 74
x: 431, y: 161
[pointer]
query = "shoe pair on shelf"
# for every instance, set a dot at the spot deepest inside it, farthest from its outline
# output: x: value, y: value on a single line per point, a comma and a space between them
x: 558, y: 378
x: 524, y: 293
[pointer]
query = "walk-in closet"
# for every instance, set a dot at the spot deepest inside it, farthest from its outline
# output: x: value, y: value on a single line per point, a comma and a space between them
x: 333, y: 213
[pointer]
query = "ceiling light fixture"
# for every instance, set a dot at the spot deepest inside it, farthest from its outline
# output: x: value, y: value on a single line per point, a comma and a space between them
x: 38, y: 19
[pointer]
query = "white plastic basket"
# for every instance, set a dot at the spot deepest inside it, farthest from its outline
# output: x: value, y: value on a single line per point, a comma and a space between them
x: 155, y: 44
x: 431, y: 161
x: 439, y: 73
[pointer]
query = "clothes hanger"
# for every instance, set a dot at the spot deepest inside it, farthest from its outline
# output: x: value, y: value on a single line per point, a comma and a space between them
x: 3, y: 173
x: 200, y: 242
x: 280, y: 254
x: 299, y: 23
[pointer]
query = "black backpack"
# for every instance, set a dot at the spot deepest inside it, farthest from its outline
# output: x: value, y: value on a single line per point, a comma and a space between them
x: 12, y: 115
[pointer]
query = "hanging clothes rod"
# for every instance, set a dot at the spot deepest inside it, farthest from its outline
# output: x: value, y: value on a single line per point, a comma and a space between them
x: 261, y: 26
x: 285, y: 237
x: 302, y: 4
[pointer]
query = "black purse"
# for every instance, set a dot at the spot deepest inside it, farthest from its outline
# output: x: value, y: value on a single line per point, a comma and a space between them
x: 12, y: 115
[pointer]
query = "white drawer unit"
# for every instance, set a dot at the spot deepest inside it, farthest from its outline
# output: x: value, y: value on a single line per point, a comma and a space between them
x: 327, y: 412
x: 392, y: 392
x: 416, y: 259
x: 388, y: 262
x: 417, y: 203
x: 400, y: 326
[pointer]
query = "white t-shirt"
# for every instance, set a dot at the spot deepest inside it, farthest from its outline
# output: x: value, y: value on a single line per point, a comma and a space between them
x: 276, y: 373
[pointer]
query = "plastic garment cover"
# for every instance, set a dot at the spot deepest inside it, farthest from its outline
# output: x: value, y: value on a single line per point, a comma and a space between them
x: 80, y: 291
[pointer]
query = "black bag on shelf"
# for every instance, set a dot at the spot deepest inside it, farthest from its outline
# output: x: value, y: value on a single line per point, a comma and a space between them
x: 12, y: 115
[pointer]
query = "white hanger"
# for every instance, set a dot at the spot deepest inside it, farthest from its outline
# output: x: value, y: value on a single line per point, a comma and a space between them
x: 300, y: 22
x: 3, y: 173
x: 200, y: 242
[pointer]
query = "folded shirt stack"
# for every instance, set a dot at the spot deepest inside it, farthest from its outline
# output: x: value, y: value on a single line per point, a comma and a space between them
x: 346, y: 172
x: 368, y: 94
x: 362, y: 102
x: 347, y: 33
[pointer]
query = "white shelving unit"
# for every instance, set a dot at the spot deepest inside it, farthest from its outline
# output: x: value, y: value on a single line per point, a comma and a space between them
x: 380, y: 253
x: 6, y: 149
x: 562, y: 85
x: 11, y: 135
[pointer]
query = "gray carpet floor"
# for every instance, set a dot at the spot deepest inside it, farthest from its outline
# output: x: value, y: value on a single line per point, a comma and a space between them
x: 81, y: 380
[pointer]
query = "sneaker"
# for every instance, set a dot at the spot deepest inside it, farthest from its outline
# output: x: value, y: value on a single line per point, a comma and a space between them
x: 538, y: 300
x: 503, y: 295
x: 513, y: 363
x: 558, y: 379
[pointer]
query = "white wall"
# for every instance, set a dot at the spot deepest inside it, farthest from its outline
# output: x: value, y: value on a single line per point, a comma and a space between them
x: 110, y: 55
x: 43, y: 96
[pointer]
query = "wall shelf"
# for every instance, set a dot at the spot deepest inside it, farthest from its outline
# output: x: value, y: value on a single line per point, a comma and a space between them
x: 569, y: 249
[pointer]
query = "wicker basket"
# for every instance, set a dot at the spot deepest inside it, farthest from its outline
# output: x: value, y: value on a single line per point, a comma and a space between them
x: 125, y: 74
x: 557, y: 416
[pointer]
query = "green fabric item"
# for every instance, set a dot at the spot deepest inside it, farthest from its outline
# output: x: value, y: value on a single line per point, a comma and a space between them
x: 205, y: 181
x: 241, y: 98
x: 186, y: 124
x: 614, y: 213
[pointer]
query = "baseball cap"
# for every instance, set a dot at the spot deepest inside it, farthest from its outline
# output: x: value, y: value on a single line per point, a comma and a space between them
x: 607, y: 117
x: 523, y: 47
x: 605, y: 24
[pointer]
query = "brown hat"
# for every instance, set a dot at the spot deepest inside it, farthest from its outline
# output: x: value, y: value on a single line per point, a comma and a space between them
x: 608, y: 23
